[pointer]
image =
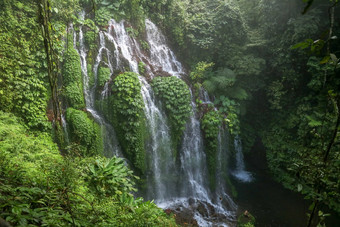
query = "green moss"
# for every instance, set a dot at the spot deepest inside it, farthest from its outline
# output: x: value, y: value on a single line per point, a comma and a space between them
x: 72, y: 78
x: 210, y: 125
x: 175, y: 96
x: 126, y: 106
x: 84, y: 132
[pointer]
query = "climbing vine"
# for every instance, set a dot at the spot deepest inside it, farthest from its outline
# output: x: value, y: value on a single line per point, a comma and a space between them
x: 175, y: 96
x: 128, y: 117
x: 22, y: 69
x: 72, y: 78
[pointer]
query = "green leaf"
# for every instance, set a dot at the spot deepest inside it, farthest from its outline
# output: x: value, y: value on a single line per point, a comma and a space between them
x: 325, y: 60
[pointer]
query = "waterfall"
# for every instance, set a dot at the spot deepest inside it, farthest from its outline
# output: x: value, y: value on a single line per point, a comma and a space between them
x: 172, y: 184
x: 240, y: 173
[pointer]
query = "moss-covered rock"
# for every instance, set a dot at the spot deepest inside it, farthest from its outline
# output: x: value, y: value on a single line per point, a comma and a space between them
x: 127, y: 115
x: 175, y: 97
x: 210, y: 125
x: 84, y: 132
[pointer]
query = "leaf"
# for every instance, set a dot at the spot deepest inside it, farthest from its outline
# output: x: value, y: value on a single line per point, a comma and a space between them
x: 302, y: 45
x: 299, y: 187
x: 334, y: 58
x: 325, y: 60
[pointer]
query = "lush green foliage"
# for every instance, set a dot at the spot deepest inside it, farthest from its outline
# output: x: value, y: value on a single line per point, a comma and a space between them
x: 175, y: 97
x: 39, y: 187
x: 210, y: 125
x: 72, y: 77
x: 126, y: 108
x: 85, y: 133
x: 230, y: 110
x: 22, y: 69
x: 301, y: 107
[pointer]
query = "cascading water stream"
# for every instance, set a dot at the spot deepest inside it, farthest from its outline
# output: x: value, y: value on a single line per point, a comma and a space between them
x: 240, y: 172
x: 162, y: 161
x: 111, y: 146
x: 160, y: 54
x: 64, y: 125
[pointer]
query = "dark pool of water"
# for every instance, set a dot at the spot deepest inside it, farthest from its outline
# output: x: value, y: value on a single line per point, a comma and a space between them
x: 270, y: 203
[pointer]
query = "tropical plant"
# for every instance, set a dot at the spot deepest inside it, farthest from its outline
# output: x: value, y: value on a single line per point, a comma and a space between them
x: 110, y: 178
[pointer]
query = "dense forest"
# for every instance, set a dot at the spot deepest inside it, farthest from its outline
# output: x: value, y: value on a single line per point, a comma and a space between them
x: 110, y: 110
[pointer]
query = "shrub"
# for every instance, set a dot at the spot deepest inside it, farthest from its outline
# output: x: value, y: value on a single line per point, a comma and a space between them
x: 84, y: 132
x: 128, y: 117
x: 175, y: 97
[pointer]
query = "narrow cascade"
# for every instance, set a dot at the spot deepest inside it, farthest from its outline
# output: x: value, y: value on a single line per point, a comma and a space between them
x: 193, y: 161
x: 64, y: 124
x: 240, y: 172
x: 222, y: 198
x: 204, y: 96
x: 162, y: 161
x: 111, y: 146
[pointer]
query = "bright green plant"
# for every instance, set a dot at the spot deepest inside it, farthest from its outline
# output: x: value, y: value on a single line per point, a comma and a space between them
x: 110, y: 177
x: 210, y: 125
x: 145, y: 45
x: 84, y: 132
x: 200, y: 69
x: 175, y: 97
x: 141, y: 67
x: 127, y: 115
